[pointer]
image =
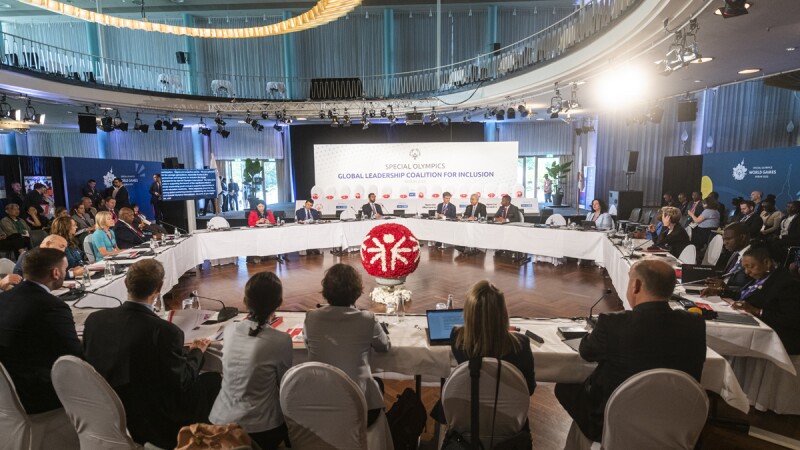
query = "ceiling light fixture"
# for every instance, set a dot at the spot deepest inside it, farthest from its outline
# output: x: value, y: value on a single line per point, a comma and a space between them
x: 143, y: 128
x: 733, y: 8
x: 555, y: 104
x: 323, y: 12
x: 31, y: 115
x: 749, y: 71
x: 682, y: 51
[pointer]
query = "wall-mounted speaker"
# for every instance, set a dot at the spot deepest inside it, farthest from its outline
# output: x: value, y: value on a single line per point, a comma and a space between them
x: 87, y: 123
x: 633, y: 162
x: 687, y: 111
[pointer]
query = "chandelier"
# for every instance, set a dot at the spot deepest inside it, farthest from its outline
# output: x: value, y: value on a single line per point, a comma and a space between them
x: 323, y: 12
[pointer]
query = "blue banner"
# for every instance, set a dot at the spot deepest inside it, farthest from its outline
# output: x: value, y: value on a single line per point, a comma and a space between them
x: 136, y: 175
x: 737, y: 174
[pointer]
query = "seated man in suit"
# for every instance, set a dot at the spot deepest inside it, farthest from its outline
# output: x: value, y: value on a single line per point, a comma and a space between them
x: 446, y: 210
x: 110, y: 205
x: 307, y: 213
x: 650, y: 336
x: 735, y: 242
x: 507, y: 212
x: 751, y: 218
x: 143, y: 357
x: 36, y: 328
x: 475, y: 209
x: 126, y: 233
x: 372, y: 209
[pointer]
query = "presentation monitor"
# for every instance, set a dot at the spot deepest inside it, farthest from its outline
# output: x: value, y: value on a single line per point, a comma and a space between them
x: 188, y: 184
x: 46, y: 180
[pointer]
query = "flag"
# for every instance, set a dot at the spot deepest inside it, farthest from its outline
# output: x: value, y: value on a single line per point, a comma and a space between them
x: 212, y: 162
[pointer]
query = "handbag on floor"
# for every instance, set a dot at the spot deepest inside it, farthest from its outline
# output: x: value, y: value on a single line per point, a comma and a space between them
x: 201, y: 436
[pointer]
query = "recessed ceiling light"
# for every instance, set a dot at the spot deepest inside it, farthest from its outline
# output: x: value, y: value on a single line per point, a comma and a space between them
x: 703, y: 60
x: 749, y: 71
x: 732, y: 9
x: 4, y: 5
x: 540, y: 118
x: 698, y: 81
x: 790, y: 49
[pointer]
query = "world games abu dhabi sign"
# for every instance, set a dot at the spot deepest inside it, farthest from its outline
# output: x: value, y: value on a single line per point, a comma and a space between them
x: 737, y: 174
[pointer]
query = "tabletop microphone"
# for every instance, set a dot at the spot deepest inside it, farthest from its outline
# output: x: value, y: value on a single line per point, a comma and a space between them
x: 175, y: 227
x: 632, y: 256
x: 591, y: 321
x: 688, y: 283
x: 226, y: 313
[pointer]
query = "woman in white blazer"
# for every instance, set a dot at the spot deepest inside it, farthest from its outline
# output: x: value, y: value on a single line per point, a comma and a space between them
x: 600, y: 216
x: 342, y: 336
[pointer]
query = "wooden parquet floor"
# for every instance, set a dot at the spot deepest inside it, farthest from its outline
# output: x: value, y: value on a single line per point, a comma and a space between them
x: 532, y: 290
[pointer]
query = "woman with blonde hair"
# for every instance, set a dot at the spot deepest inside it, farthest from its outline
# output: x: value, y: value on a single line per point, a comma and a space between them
x: 104, y: 242
x: 673, y: 236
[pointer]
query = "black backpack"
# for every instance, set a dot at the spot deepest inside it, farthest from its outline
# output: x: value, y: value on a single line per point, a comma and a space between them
x: 407, y: 420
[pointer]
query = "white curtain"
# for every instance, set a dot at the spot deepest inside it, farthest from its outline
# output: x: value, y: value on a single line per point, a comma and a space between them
x: 245, y: 142
x: 538, y: 138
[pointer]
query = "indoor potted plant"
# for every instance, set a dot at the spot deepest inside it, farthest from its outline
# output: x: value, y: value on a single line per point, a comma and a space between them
x: 558, y: 173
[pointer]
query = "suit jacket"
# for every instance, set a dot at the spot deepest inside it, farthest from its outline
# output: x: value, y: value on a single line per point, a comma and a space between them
x: 300, y: 214
x: 15, y: 197
x: 449, y: 211
x: 343, y: 336
x: 126, y: 237
x: 480, y: 210
x: 33, y: 198
x: 674, y: 241
x: 513, y: 213
x: 143, y: 358
x: 754, y: 224
x: 793, y: 236
x: 780, y: 306
x: 738, y: 278
x: 156, y: 188
x: 36, y: 328
x: 121, y: 197
x: 623, y: 344
x: 91, y: 193
x: 366, y: 210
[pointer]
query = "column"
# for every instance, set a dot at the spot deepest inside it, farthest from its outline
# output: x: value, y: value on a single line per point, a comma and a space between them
x: 491, y: 27
x: 103, y: 144
x: 94, y: 48
x: 388, y: 50
x: 192, y: 63
x: 2, y: 42
x: 289, y: 65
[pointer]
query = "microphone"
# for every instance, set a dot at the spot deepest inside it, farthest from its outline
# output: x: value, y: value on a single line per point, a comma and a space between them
x: 226, y: 313
x: 175, y: 227
x: 632, y: 256
x: 591, y: 321
x: 706, y: 279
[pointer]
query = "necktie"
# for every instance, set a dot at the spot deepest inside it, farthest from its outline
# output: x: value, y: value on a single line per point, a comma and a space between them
x: 733, y: 263
x: 374, y: 211
x: 308, y: 213
x: 505, y: 212
x: 472, y: 214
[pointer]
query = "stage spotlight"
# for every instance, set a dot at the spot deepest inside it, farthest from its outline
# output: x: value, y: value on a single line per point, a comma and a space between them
x: 107, y: 124
x: 168, y: 124
x: 486, y: 115
x: 138, y: 125
x: 6, y: 112
x: 158, y: 125
x: 523, y: 111
x: 372, y: 113
x: 733, y: 8
x: 218, y: 120
x: 467, y: 118
x: 30, y: 114
x: 205, y: 131
x: 346, y: 122
x: 289, y: 119
x: 556, y: 103
x: 223, y: 132
x: 255, y: 125
x: 321, y: 114
x: 248, y: 120
x: 366, y: 125
x: 383, y: 113
x: 177, y: 125
x: 511, y: 113
x: 500, y: 114
x: 392, y: 119
x: 330, y: 114
x: 433, y: 117
x: 277, y: 126
x: 264, y: 115
x: 578, y: 131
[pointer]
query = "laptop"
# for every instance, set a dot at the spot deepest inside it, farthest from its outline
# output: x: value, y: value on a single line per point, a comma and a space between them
x: 441, y: 323
x: 589, y: 225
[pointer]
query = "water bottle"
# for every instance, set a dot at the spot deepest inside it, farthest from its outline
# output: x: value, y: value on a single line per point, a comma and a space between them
x: 450, y: 301
x: 107, y: 271
x: 401, y: 310
x: 87, y: 277
x: 163, y: 239
x: 158, y: 306
x: 177, y: 233
x: 187, y: 303
x: 195, y: 300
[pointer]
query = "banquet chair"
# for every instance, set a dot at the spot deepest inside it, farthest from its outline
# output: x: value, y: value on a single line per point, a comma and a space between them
x: 324, y: 409
x: 92, y: 405
x: 6, y: 266
x: 556, y: 220
x: 37, y: 236
x: 635, y: 214
x: 713, y: 251
x: 647, y: 216
x: 88, y: 248
x: 217, y: 223
x: 38, y: 431
x: 689, y: 229
x: 688, y: 255
x: 512, y: 400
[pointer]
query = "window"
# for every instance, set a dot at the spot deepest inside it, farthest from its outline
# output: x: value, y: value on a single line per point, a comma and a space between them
x: 257, y: 180
x: 530, y: 173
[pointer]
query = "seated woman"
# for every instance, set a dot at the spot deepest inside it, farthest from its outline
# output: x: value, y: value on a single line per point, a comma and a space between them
x: 343, y: 336
x: 485, y: 335
x: 61, y: 212
x: 104, y: 242
x: 260, y: 215
x: 707, y: 221
x: 82, y: 218
x: 66, y: 227
x: 673, y: 236
x: 600, y: 216
x: 772, y: 219
x: 771, y: 296
x: 259, y: 356
x: 33, y: 218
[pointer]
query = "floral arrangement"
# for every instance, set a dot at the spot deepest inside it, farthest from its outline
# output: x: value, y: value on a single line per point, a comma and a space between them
x: 390, y: 294
x: 390, y: 251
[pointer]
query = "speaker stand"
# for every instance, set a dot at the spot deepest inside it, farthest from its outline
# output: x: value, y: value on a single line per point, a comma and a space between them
x: 628, y: 180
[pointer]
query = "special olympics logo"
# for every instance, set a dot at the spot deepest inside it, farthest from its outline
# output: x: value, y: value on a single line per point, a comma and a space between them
x: 108, y: 178
x: 740, y: 171
x: 414, y: 153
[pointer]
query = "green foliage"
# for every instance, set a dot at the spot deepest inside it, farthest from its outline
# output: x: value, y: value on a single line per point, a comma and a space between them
x: 558, y: 173
x: 252, y: 168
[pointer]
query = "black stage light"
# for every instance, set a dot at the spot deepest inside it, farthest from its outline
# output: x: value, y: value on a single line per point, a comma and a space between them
x: 223, y: 132
x: 733, y: 8
x: 511, y: 113
x: 523, y: 111
x: 178, y: 126
x: 499, y: 114
x: 168, y: 125
x: 205, y: 131
x: 158, y: 125
x: 107, y: 124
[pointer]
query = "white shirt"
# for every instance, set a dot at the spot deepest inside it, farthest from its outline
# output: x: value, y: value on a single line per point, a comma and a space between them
x: 785, y: 225
x: 42, y: 285
x: 253, y: 368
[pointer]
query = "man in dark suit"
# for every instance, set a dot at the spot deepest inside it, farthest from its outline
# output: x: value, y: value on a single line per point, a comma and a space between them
x: 144, y: 360
x: 475, y: 209
x: 683, y: 203
x: 224, y: 185
x: 650, y: 336
x: 156, y: 196
x: 119, y: 193
x: 507, y: 212
x: 110, y: 205
x: 307, y: 212
x: 233, y: 195
x: 126, y: 233
x: 756, y: 197
x: 372, y: 209
x: 735, y: 242
x: 751, y: 218
x: 35, y: 197
x: 90, y: 191
x: 446, y: 210
x: 36, y: 328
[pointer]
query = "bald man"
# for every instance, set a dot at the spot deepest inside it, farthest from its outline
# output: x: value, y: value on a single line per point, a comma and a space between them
x: 650, y: 336
x: 51, y: 241
x: 475, y: 209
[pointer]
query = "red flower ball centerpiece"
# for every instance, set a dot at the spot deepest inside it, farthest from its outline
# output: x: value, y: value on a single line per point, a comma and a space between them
x: 390, y: 252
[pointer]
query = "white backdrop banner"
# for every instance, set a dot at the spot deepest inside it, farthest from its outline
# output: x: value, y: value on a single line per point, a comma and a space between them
x: 415, y: 170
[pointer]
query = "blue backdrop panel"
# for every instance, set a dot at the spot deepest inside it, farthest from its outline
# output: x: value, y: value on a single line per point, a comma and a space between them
x: 137, y: 176
x: 737, y: 174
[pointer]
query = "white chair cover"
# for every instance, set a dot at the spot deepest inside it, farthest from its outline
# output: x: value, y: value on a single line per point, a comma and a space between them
x: 512, y: 402
x: 87, y: 248
x: 768, y: 386
x: 348, y: 214
x: 324, y: 409
x: 6, y: 266
x: 222, y: 88
x: 379, y: 435
x: 713, y: 251
x: 93, y: 407
x: 14, y: 424
x: 217, y: 222
x: 688, y: 255
x: 689, y: 230
x: 612, y: 210
x: 556, y: 219
x: 638, y: 411
x: 576, y: 440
